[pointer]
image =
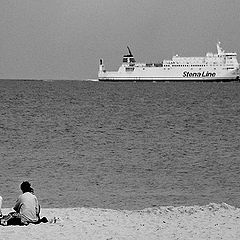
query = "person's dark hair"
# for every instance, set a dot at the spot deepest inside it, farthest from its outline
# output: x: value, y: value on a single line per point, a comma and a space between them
x: 26, y: 187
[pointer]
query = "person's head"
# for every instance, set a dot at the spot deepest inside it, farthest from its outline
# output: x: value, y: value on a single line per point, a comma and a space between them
x: 26, y: 187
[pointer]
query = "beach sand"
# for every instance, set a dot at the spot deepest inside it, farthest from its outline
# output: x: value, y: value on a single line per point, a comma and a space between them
x: 213, y: 221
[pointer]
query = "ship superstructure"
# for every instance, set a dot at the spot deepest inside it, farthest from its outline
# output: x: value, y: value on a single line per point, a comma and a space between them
x: 221, y: 66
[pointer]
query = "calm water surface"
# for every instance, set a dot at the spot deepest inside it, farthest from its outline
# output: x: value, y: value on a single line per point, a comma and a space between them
x: 120, y: 145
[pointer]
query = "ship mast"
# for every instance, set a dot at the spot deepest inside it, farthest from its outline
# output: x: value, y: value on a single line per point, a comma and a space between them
x: 130, y: 53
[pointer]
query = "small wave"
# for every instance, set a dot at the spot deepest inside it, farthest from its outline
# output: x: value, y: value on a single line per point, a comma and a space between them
x: 213, y: 207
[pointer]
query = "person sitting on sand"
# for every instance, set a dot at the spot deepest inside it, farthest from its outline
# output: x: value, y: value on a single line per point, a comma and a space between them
x: 27, y: 209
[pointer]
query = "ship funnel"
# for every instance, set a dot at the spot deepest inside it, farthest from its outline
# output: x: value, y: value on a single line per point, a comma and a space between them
x: 219, y: 49
x: 101, y: 66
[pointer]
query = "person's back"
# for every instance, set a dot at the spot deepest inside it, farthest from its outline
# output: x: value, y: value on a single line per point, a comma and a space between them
x: 27, y: 205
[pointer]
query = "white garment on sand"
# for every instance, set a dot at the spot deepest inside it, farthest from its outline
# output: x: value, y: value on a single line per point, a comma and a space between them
x: 0, y: 206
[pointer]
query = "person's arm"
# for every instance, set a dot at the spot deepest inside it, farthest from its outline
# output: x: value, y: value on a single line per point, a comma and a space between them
x: 37, y: 207
x: 18, y: 205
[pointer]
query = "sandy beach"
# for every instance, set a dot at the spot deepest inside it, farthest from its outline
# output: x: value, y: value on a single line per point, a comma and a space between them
x: 213, y: 221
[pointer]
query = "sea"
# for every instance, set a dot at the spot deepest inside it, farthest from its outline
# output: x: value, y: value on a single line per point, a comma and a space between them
x: 119, y: 145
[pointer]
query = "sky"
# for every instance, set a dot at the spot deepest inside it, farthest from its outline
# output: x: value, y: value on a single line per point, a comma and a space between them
x: 64, y: 39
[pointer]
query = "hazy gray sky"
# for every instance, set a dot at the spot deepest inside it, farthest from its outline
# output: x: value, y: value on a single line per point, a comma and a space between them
x: 64, y: 39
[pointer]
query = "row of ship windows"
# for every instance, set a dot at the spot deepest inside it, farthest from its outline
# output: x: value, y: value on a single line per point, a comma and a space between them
x: 132, y: 69
x: 187, y: 65
x: 228, y: 68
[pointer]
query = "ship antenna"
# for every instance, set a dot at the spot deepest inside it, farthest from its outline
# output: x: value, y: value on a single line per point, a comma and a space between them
x: 130, y: 53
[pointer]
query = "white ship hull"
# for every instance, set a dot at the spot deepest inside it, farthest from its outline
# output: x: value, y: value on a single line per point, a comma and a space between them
x: 170, y: 75
x: 214, y: 67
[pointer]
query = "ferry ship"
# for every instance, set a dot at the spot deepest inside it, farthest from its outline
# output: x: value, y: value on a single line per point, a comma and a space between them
x: 220, y: 66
